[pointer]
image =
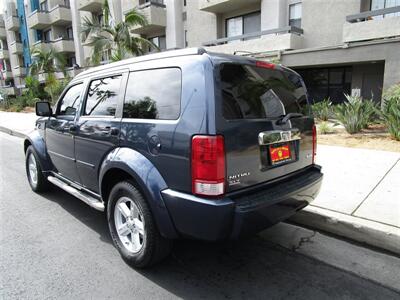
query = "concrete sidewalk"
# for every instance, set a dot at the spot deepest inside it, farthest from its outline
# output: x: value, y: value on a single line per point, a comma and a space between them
x: 359, y: 199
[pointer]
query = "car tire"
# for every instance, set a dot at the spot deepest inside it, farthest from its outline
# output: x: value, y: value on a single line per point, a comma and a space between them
x: 36, y: 179
x: 138, y: 240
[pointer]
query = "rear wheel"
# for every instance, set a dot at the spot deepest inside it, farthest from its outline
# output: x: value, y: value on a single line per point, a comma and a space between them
x: 36, y: 179
x: 132, y: 227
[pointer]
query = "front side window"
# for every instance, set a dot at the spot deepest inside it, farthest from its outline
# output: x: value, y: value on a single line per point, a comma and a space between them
x: 153, y: 94
x: 102, y: 97
x: 295, y: 12
x: 250, y: 92
x: 70, y: 102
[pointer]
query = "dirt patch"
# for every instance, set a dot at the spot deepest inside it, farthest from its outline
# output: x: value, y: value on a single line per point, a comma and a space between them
x: 374, y: 137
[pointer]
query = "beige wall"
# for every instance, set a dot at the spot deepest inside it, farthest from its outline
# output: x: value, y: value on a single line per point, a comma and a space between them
x: 322, y: 21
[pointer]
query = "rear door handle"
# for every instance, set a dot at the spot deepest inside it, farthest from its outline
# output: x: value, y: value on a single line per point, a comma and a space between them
x: 114, y: 131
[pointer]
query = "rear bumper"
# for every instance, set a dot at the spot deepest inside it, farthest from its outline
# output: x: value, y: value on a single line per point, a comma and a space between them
x: 246, y: 212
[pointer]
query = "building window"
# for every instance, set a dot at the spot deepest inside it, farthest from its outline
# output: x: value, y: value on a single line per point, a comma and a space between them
x: 184, y: 16
x: 380, y: 4
x: 295, y: 15
x: 70, y: 33
x: 240, y: 25
x: 185, y: 39
x: 44, y: 6
x: 159, y: 41
x: 184, y: 2
x: 330, y: 83
x: 46, y: 35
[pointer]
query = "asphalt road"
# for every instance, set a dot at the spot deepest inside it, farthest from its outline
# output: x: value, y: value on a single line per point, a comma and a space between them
x: 54, y: 246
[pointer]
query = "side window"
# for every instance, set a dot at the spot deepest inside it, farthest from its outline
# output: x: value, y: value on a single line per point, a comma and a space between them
x: 154, y: 94
x: 70, y: 102
x: 102, y: 97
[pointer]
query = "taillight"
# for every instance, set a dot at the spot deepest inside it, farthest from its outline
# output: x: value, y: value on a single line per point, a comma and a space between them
x: 208, y: 165
x: 314, y: 143
x: 265, y: 64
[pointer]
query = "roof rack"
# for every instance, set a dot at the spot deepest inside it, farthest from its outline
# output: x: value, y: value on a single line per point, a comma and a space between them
x: 148, y: 57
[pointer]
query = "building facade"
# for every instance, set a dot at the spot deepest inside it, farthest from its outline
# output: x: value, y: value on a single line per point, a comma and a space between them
x: 338, y: 46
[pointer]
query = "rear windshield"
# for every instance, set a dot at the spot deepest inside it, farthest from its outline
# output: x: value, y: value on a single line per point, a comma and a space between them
x: 250, y: 92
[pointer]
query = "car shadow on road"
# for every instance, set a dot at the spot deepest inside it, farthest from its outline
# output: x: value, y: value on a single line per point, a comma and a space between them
x: 248, y: 268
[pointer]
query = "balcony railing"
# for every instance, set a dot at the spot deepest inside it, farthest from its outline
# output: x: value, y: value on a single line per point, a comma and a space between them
x: 12, y: 23
x: 364, y: 27
x: 368, y: 15
x: 59, y: 15
x: 287, y: 29
x: 156, y: 16
x: 60, y: 45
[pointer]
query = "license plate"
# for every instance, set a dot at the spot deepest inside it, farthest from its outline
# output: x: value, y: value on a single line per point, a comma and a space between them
x: 280, y: 154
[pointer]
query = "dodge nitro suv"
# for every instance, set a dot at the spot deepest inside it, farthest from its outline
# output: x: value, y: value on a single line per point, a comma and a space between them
x: 179, y: 144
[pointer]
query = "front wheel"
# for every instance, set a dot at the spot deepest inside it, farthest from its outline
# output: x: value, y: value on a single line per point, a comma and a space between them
x: 132, y: 227
x: 36, y: 179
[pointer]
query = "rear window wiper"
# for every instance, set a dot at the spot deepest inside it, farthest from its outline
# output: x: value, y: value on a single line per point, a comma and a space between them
x: 285, y: 118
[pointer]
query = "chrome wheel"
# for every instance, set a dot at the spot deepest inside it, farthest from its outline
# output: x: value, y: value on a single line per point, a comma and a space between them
x: 129, y: 224
x: 32, y: 168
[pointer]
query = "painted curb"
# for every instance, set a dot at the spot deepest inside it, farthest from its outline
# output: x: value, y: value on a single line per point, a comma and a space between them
x: 12, y: 132
x: 361, y: 230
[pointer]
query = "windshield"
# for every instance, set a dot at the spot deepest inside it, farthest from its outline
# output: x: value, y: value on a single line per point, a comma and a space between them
x: 250, y: 92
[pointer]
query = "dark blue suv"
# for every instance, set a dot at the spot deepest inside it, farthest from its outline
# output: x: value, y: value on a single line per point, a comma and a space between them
x: 179, y: 144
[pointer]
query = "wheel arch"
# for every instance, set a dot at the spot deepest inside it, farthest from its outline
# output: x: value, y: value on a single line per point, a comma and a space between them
x: 35, y: 140
x: 128, y: 164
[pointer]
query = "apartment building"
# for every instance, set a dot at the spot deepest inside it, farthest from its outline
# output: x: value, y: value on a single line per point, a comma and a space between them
x: 338, y: 46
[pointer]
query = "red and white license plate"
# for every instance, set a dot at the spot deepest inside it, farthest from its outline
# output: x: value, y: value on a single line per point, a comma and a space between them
x: 280, y: 153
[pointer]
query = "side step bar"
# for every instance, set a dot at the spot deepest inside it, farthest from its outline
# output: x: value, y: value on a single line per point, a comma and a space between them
x: 89, y: 200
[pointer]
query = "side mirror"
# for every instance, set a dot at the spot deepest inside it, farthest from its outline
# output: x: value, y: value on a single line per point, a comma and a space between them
x: 43, y: 109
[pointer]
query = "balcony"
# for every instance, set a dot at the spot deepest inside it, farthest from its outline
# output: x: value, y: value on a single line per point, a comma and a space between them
x: 286, y: 38
x: 156, y: 16
x: 12, y: 23
x: 223, y: 6
x: 59, y: 45
x: 4, y: 54
x: 19, y: 71
x: 59, y: 16
x: 9, y: 90
x: 15, y: 48
x: 90, y: 5
x: 370, y: 25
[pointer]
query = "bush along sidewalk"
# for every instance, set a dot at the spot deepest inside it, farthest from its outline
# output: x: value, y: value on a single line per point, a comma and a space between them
x: 356, y: 114
x: 322, y: 110
x: 390, y: 113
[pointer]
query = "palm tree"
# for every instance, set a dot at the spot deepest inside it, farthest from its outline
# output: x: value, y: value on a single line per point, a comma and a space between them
x: 46, y: 61
x: 115, y: 38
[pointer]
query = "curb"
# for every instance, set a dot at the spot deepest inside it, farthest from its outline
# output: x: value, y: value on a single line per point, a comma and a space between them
x: 12, y: 132
x: 361, y: 230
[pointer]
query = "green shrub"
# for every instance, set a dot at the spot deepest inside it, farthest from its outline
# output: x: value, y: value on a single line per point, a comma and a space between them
x: 350, y: 114
x: 322, y: 110
x: 357, y: 113
x: 325, y: 128
x: 391, y: 111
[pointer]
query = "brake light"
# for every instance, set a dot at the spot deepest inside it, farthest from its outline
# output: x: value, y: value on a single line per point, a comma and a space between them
x: 208, y: 165
x: 265, y: 64
x: 314, y: 143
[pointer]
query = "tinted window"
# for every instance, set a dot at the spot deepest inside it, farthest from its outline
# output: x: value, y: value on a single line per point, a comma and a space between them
x: 250, y: 92
x: 70, y: 101
x: 153, y: 94
x: 102, y: 96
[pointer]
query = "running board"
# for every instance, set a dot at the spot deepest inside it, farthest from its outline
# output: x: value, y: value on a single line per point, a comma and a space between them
x: 89, y: 200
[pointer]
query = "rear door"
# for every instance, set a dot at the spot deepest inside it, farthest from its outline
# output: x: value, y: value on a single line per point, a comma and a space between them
x: 98, y: 126
x: 251, y: 102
